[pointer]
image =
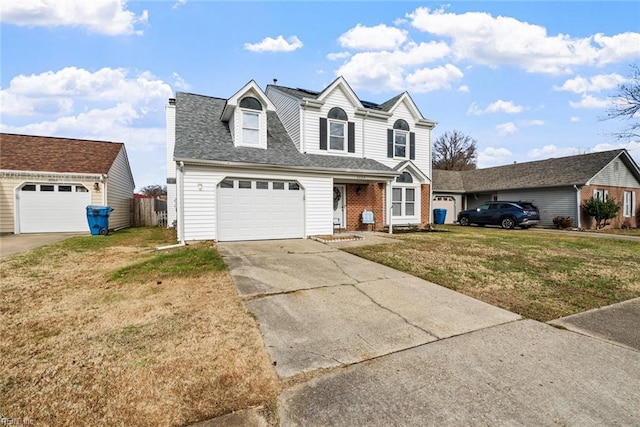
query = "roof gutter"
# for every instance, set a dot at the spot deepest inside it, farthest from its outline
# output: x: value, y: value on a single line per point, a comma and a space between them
x: 328, y: 171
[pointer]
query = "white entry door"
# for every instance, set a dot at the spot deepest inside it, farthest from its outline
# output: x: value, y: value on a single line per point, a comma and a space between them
x: 338, y: 206
x: 256, y: 209
x: 52, y: 208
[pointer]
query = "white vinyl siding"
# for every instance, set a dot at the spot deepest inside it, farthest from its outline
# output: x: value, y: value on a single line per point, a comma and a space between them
x: 171, y: 164
x: 288, y: 109
x: 550, y: 203
x: 119, y: 187
x: 200, y: 202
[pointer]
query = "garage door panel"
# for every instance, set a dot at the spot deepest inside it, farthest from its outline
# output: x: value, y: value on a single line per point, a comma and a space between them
x: 260, y: 214
x: 52, y: 211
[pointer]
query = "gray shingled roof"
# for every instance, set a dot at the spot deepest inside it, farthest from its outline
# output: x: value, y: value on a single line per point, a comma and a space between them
x: 557, y: 172
x: 450, y: 181
x: 202, y: 135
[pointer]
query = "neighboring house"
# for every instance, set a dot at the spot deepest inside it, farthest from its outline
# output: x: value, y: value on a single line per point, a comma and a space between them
x: 292, y: 163
x: 46, y: 183
x: 557, y: 186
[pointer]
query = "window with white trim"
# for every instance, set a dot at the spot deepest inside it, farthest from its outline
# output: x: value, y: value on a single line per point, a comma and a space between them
x: 401, y: 139
x: 337, y: 122
x: 600, y: 194
x: 628, y: 204
x: 251, y: 110
x: 404, y: 196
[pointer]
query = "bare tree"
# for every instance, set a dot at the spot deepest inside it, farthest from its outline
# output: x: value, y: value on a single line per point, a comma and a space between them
x: 154, y: 190
x: 454, y: 151
x: 626, y: 105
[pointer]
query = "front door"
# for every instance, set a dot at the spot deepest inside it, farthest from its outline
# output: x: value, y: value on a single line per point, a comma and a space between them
x: 338, y: 206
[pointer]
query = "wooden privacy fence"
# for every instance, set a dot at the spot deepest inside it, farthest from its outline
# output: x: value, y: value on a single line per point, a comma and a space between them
x: 145, y: 214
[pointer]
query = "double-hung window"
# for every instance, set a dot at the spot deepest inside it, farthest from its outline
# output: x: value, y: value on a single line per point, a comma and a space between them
x: 628, y: 204
x: 251, y: 108
x: 400, y: 139
x: 337, y: 120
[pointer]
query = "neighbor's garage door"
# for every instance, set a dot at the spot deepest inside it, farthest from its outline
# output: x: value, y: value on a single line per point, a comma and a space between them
x: 46, y: 208
x: 446, y: 202
x: 250, y: 209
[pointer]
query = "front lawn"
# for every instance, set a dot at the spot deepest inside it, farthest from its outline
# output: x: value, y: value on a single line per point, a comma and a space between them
x: 540, y: 276
x: 105, y: 330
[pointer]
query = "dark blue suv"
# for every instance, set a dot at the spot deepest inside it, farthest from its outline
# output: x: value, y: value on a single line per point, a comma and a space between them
x: 505, y: 214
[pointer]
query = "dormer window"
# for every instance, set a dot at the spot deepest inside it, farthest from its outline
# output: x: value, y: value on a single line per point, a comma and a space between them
x: 251, y: 109
x: 337, y: 128
x: 400, y: 138
x: 336, y: 132
x: 401, y: 143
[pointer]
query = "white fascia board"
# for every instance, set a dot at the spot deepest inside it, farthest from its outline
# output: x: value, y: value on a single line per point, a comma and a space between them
x: 365, y: 174
x: 7, y: 173
x: 250, y: 88
x: 415, y: 170
x: 340, y: 81
x: 373, y: 114
x: 311, y: 103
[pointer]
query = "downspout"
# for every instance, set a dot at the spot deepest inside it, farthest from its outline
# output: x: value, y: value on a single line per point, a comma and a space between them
x: 103, y: 179
x: 578, y: 207
x: 389, y: 206
x: 180, y: 197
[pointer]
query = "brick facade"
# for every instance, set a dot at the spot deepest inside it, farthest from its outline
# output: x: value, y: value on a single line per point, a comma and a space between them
x: 586, y: 193
x: 425, y: 205
x: 362, y: 197
x: 371, y: 197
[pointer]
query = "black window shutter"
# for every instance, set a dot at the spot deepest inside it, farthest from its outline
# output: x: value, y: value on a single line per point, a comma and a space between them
x: 351, y: 143
x: 390, y: 143
x: 412, y: 145
x: 323, y: 133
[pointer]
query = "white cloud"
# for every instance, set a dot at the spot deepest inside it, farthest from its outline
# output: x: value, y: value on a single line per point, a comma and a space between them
x: 379, y: 37
x: 109, y: 104
x: 499, y: 106
x: 38, y: 93
x: 279, y: 44
x: 534, y: 123
x: 505, y: 129
x: 575, y: 119
x: 108, y: 17
x: 491, y: 156
x: 338, y: 55
x: 596, y: 83
x: 430, y: 79
x: 498, y: 41
x: 463, y: 89
x: 588, y: 101
x: 384, y: 70
x: 179, y: 82
x: 179, y: 3
x: 549, y: 151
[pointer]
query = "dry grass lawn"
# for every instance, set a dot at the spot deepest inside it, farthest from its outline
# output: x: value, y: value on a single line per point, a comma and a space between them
x: 541, y: 276
x: 107, y: 330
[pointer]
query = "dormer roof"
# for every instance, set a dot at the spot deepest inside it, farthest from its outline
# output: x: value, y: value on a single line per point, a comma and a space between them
x: 250, y: 89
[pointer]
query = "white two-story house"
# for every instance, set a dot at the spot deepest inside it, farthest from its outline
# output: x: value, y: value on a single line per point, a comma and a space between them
x: 292, y: 163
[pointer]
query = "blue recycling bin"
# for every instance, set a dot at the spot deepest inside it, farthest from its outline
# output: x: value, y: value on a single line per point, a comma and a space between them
x: 439, y: 216
x: 98, y: 219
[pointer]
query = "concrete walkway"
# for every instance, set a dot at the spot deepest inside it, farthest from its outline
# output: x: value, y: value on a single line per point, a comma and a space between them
x: 408, y: 352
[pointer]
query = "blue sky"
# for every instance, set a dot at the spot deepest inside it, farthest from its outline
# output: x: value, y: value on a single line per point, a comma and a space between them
x: 527, y: 80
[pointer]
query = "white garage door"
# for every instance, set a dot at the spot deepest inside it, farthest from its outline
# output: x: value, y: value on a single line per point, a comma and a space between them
x: 250, y: 209
x: 446, y: 202
x: 47, y: 208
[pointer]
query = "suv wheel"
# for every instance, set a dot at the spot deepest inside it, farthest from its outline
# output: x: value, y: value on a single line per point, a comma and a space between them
x: 508, y: 222
x: 464, y: 221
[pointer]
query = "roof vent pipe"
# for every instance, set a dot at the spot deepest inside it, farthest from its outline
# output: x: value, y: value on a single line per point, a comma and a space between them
x: 275, y: 81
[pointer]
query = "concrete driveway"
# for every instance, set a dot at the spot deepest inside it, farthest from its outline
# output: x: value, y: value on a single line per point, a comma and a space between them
x: 408, y: 352
x: 15, y: 243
